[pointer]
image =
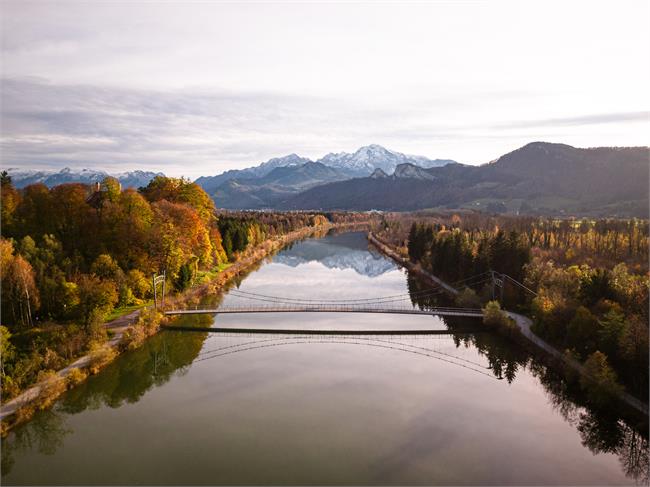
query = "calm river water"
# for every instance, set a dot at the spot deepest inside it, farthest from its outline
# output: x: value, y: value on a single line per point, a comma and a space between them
x: 199, y: 408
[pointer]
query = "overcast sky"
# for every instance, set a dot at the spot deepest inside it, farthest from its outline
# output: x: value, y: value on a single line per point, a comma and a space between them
x: 196, y: 88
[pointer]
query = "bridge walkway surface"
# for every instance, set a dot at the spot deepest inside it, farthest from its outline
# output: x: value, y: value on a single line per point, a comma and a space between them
x: 464, y: 312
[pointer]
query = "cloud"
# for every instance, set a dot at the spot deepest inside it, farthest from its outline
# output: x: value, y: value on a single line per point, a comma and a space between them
x: 195, y: 132
x: 47, y: 124
x: 600, y: 118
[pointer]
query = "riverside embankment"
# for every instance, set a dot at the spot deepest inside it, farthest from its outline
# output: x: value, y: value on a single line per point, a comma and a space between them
x: 523, y: 323
x: 43, y: 393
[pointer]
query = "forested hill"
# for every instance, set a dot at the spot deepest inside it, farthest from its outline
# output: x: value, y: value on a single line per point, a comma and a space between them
x: 537, y: 178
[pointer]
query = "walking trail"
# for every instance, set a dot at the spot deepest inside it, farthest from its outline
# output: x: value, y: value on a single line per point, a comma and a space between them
x: 118, y: 326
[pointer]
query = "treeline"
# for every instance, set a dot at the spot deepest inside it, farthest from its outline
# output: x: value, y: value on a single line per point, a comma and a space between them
x: 598, y: 314
x: 238, y: 230
x: 455, y: 254
x: 599, y: 243
x: 72, y: 254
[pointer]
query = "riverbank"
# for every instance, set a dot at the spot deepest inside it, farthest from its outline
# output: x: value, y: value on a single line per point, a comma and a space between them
x: 126, y: 333
x: 404, y: 262
x: 523, y: 322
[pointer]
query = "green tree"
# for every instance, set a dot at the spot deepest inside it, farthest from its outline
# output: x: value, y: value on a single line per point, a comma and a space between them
x: 582, y: 332
x: 96, y: 299
x: 599, y: 380
x: 7, y: 350
x: 610, y: 330
x: 10, y: 199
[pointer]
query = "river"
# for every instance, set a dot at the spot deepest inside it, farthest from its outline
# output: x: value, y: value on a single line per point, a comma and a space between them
x: 207, y: 408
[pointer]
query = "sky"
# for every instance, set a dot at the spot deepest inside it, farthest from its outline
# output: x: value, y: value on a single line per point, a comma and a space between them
x: 200, y: 87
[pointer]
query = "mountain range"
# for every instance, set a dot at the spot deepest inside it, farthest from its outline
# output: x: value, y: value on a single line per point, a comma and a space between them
x: 22, y: 177
x: 276, y: 180
x: 539, y: 178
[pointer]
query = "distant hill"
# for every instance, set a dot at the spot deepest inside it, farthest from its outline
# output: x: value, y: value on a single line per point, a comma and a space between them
x: 22, y: 178
x: 278, y: 184
x: 539, y: 178
x: 211, y: 183
x: 357, y: 164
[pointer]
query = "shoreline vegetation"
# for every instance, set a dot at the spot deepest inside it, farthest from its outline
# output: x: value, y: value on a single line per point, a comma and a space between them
x: 593, y: 372
x: 74, y: 255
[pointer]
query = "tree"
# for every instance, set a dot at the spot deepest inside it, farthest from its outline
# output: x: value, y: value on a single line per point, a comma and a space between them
x: 139, y: 284
x: 633, y: 343
x: 96, y: 299
x: 180, y: 190
x: 10, y: 199
x: 582, y: 332
x: 19, y: 293
x: 599, y: 379
x: 595, y: 286
x: 34, y: 214
x: 105, y: 267
x: 610, y: 330
x: 7, y: 350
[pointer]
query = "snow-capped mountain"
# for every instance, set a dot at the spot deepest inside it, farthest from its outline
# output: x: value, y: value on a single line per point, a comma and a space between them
x: 25, y: 177
x: 292, y: 160
x: 361, y: 163
x: 363, y: 263
x: 365, y: 160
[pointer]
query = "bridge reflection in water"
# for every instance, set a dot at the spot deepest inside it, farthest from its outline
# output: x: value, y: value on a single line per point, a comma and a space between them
x: 434, y: 346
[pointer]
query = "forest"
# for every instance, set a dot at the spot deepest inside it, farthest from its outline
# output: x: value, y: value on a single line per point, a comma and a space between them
x: 590, y: 280
x: 74, y: 256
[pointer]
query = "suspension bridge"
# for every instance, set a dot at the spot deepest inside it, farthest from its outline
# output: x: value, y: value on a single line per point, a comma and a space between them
x: 402, y: 304
x: 325, y: 308
x: 411, y: 303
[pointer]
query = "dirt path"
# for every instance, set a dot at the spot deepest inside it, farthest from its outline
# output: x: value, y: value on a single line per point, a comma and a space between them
x: 118, y: 326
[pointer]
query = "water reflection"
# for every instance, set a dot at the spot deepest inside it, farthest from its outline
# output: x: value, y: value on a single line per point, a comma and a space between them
x: 346, y: 251
x: 607, y: 428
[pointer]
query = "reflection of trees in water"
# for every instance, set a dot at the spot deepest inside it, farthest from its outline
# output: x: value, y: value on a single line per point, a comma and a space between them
x: 127, y: 379
x: 504, y: 359
x: 44, y: 434
x: 609, y: 429
x: 606, y: 429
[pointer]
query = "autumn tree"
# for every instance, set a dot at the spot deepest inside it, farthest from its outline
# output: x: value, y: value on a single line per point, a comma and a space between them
x: 96, y: 299
x: 19, y: 293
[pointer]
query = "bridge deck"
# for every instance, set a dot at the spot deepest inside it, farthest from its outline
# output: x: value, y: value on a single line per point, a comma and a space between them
x: 297, y: 332
x: 470, y: 313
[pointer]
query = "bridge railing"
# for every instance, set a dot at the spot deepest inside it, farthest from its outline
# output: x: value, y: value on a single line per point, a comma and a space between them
x: 328, y: 307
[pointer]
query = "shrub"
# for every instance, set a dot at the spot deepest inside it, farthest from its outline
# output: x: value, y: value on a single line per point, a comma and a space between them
x: 468, y: 298
x: 495, y: 317
x: 100, y: 355
x: 132, y: 337
x: 75, y: 377
x: 52, y: 386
